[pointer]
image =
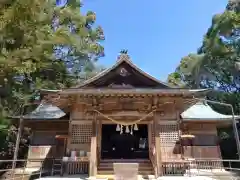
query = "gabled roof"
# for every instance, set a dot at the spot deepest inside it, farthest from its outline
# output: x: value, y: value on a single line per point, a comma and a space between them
x: 202, y: 111
x: 123, y: 60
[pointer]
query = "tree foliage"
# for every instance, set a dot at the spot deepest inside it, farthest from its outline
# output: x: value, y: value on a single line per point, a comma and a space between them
x: 216, y: 64
x: 43, y: 45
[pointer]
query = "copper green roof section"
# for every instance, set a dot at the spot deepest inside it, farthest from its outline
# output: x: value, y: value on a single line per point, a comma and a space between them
x: 45, y: 111
x: 202, y: 111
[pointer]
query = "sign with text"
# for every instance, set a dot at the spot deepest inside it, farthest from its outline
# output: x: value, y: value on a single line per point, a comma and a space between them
x: 38, y: 152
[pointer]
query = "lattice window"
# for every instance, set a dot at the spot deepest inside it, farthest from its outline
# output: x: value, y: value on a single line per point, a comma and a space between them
x: 169, y: 138
x: 168, y: 134
x: 81, y: 133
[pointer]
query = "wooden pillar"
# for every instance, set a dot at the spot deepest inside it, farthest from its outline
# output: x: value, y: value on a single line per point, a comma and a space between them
x: 99, y: 137
x: 93, y: 153
x: 15, y: 156
x: 179, y: 126
x: 158, y: 168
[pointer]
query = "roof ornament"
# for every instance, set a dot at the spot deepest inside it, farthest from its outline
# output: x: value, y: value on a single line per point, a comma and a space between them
x: 123, y: 55
x: 124, y: 51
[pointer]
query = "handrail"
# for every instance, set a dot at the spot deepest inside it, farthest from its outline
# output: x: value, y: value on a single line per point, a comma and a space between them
x: 43, y: 166
x: 214, y: 168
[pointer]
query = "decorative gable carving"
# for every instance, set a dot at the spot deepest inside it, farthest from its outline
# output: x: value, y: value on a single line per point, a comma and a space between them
x: 121, y: 86
x: 123, y: 72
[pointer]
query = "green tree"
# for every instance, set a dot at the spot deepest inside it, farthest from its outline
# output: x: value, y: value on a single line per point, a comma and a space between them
x: 43, y: 45
x: 216, y: 64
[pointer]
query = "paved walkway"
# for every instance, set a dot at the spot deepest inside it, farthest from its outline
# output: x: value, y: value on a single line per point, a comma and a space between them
x: 199, y: 178
x: 71, y: 177
x: 79, y: 177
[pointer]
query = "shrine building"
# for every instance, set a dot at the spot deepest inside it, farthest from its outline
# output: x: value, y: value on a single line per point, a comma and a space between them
x: 124, y: 115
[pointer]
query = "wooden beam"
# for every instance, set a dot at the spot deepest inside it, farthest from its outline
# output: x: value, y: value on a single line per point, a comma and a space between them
x: 157, y: 146
x: 179, y: 123
x: 79, y: 121
x: 93, y: 153
x: 110, y: 122
x: 125, y: 113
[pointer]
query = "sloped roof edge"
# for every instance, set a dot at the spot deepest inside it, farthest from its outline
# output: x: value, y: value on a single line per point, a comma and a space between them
x: 199, y: 111
x: 98, y: 91
x: 202, y: 111
x: 122, y: 58
x: 45, y: 111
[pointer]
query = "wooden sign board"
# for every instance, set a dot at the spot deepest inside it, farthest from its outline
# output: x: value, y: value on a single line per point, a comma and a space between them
x: 38, y: 152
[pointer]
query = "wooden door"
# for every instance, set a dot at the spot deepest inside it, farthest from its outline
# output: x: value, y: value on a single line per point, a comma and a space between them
x: 60, y: 147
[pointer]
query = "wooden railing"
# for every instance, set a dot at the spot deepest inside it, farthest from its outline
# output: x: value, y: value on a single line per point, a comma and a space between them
x: 213, y: 168
x: 202, y: 167
x: 78, y: 167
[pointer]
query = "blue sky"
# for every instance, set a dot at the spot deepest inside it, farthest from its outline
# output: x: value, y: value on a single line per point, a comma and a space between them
x: 156, y: 33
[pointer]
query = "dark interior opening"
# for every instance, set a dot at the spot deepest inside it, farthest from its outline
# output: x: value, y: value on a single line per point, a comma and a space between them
x: 125, y: 145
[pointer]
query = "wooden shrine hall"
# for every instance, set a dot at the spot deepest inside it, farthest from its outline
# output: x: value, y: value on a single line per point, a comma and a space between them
x: 124, y: 115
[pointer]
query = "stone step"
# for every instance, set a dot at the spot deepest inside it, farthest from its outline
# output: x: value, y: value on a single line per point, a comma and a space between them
x: 111, y: 169
x: 142, y: 162
x: 111, y: 177
x: 109, y: 172
x: 111, y: 165
x: 126, y: 160
x: 111, y: 162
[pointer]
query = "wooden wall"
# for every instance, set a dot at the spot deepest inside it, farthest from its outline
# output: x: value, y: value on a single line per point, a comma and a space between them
x: 43, y: 141
x: 48, y: 125
x: 80, y: 129
x: 205, y: 144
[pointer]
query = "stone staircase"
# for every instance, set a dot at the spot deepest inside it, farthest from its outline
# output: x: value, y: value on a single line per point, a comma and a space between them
x: 105, y: 168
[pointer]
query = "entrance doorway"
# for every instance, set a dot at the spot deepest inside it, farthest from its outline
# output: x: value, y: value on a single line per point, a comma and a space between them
x: 125, y: 145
